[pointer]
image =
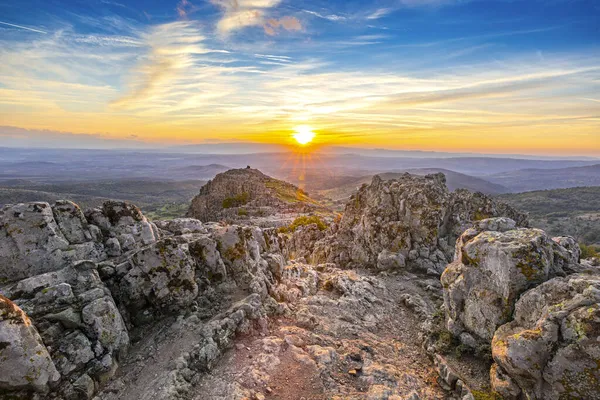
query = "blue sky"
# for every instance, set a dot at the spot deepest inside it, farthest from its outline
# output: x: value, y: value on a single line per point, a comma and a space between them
x: 434, y: 74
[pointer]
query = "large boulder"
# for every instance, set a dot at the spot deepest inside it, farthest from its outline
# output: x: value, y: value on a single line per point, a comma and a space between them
x: 25, y: 364
x: 491, y: 270
x: 36, y: 238
x: 72, y: 222
x: 77, y: 319
x: 241, y: 249
x: 156, y: 279
x: 551, y: 349
x: 125, y: 223
x: 410, y: 222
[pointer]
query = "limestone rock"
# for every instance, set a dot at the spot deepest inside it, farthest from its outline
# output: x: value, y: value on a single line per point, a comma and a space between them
x: 550, y: 350
x: 24, y: 360
x: 126, y: 223
x: 492, y: 269
x: 160, y: 277
x: 182, y: 226
x: 77, y: 319
x: 413, y: 218
x: 33, y: 242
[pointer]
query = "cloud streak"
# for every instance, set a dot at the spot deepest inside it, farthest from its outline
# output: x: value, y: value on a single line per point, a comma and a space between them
x: 23, y: 27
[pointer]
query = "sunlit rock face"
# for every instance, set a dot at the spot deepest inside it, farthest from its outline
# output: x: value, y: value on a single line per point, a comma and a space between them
x: 411, y: 222
x: 492, y: 268
x: 551, y: 350
x: 25, y: 363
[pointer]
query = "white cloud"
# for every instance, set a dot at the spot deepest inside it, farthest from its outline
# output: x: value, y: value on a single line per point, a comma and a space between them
x: 382, y: 12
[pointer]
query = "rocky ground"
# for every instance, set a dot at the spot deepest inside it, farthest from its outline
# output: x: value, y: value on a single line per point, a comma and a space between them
x: 105, y: 304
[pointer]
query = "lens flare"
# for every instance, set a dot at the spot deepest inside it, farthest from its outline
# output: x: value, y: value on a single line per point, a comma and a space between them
x: 304, y: 134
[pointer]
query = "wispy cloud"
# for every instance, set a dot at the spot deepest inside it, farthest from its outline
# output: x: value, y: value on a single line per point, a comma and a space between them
x: 239, y: 14
x: 380, y: 13
x: 24, y: 27
x: 171, y: 83
x: 184, y: 8
x: 330, y: 17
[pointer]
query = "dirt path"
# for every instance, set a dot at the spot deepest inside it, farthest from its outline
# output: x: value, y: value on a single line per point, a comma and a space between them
x: 339, y: 335
x: 355, y: 341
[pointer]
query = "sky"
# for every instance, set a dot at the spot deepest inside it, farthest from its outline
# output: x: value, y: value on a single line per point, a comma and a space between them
x: 490, y: 76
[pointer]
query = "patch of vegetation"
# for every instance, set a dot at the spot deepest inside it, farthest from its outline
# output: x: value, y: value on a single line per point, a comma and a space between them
x: 236, y: 201
x: 559, y: 212
x: 444, y: 341
x: 304, y: 221
x: 589, y: 251
x: 167, y: 211
x: 485, y: 395
x: 242, y: 212
x: 288, y: 193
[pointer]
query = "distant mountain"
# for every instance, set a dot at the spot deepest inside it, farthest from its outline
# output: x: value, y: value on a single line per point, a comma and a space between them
x: 14, y: 196
x: 200, y: 171
x: 541, y: 179
x: 573, y: 211
x: 454, y: 180
x: 158, y: 198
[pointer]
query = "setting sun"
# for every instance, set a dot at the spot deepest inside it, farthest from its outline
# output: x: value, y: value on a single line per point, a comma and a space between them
x: 304, y: 134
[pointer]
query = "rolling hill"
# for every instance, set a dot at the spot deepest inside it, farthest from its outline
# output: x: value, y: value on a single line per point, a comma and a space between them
x: 542, y: 179
x: 572, y: 211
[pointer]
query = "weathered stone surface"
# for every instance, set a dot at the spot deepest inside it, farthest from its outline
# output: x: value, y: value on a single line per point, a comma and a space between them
x: 413, y: 218
x: 32, y: 242
x: 159, y: 277
x: 126, y: 223
x: 241, y: 249
x: 24, y: 360
x: 71, y: 222
x: 492, y: 269
x: 209, y: 263
x: 77, y: 319
x: 182, y: 226
x: 551, y: 350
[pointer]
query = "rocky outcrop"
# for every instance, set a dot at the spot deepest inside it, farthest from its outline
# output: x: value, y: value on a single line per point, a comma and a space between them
x: 242, y: 193
x: 184, y: 289
x: 25, y: 365
x: 157, y: 279
x: 38, y: 238
x: 410, y: 222
x: 124, y: 228
x: 550, y: 350
x: 78, y: 322
x: 492, y: 268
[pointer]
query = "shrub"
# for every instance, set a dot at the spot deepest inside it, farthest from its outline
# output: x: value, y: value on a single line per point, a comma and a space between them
x: 589, y: 251
x: 303, y: 221
x: 242, y: 212
x: 236, y: 201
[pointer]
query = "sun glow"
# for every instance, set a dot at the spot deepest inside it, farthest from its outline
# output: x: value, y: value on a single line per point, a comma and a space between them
x: 304, y: 134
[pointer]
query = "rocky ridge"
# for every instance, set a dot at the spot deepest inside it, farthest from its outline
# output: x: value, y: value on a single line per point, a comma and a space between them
x: 248, y: 194
x: 413, y: 221
x: 118, y: 307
